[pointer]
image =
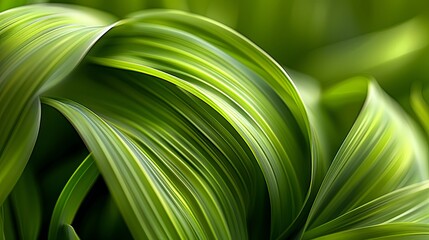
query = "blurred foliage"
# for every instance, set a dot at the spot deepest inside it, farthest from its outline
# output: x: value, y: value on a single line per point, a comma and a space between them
x: 346, y: 132
x: 329, y: 39
x: 295, y: 32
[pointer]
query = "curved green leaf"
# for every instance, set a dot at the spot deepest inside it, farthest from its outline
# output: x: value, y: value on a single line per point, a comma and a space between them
x: 69, y: 233
x: 392, y: 231
x: 199, y: 134
x: 140, y: 187
x: 381, y: 153
x: 236, y: 79
x: 194, y: 137
x: 409, y: 204
x: 15, y: 148
x: 26, y: 201
x: 40, y: 45
x: 420, y: 107
x: 72, y: 196
x: 9, y: 229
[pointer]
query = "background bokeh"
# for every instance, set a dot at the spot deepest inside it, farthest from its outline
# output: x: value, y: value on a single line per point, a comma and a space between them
x: 329, y: 40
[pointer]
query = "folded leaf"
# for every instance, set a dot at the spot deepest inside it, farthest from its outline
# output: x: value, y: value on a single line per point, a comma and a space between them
x: 382, y: 153
x: 240, y: 82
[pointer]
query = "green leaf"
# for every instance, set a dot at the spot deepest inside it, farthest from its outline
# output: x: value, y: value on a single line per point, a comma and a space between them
x: 382, y: 153
x: 72, y: 196
x: 15, y: 148
x: 200, y: 143
x: 240, y: 82
x: 135, y: 181
x: 392, y: 231
x: 26, y: 201
x: 39, y: 48
x: 420, y: 107
x: 200, y: 134
x: 69, y: 233
x: 120, y: 160
x: 8, y: 231
x: 2, y: 236
x: 409, y: 204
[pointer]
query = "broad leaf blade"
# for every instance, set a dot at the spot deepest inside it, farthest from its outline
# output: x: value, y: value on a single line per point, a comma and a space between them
x: 180, y: 130
x: 236, y: 79
x: 126, y: 171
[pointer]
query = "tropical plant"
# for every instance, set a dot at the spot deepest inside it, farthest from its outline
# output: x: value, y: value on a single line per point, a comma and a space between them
x: 197, y: 133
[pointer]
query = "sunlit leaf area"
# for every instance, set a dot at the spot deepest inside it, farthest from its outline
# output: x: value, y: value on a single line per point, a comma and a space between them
x: 214, y: 119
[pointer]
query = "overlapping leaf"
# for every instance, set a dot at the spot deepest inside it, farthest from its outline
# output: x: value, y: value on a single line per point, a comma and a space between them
x: 39, y: 46
x: 382, y: 152
x: 26, y: 202
x: 392, y: 231
x: 145, y: 189
x: 199, y: 134
x: 8, y: 228
x: 240, y: 82
x: 71, y: 197
x: 409, y: 204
